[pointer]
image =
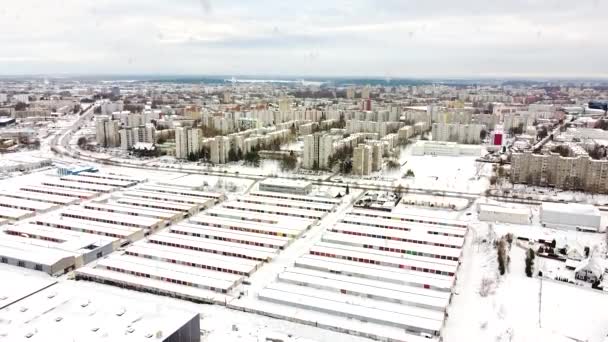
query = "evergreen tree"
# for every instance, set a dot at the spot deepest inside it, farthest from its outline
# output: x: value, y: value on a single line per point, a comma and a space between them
x: 530, y: 255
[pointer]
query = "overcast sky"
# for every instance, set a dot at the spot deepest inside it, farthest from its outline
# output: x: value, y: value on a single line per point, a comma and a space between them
x: 387, y: 38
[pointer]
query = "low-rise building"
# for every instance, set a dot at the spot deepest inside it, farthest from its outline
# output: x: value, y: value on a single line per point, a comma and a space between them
x: 570, y: 216
x: 286, y: 186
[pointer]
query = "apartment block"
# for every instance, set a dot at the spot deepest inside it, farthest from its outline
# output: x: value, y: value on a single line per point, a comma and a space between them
x: 362, y: 160
x: 187, y: 141
x: 576, y: 173
x: 317, y: 150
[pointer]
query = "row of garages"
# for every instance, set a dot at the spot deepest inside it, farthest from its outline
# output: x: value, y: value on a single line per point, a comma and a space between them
x: 76, y: 235
x: 53, y: 193
x: 392, y: 270
x: 206, y: 257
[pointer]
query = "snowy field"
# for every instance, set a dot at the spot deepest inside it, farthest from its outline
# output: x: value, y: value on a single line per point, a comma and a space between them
x: 517, y: 310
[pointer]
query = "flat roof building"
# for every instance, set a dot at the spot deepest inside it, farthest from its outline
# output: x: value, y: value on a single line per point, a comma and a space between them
x: 167, y: 216
x: 570, y: 216
x: 123, y: 233
x: 78, y: 186
x: 52, y: 190
x: 19, y: 251
x: 26, y: 204
x: 42, y: 197
x: 187, y: 209
x: 286, y: 186
x: 12, y: 214
x: 77, y: 311
x: 295, y: 197
x: 141, y: 222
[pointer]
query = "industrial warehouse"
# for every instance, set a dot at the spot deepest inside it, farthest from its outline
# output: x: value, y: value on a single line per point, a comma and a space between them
x: 207, y: 257
x: 40, y: 309
x: 393, y: 271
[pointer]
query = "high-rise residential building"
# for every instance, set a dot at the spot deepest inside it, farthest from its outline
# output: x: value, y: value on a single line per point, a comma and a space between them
x: 25, y: 98
x: 115, y: 91
x: 134, y: 120
x: 463, y: 134
x: 377, y: 151
x: 107, y: 108
x: 365, y: 93
x: 129, y: 136
x: 227, y: 97
x: 317, y: 150
x: 350, y: 93
x: 284, y: 105
x: 362, y: 160
x: 187, y: 141
x: 106, y: 131
x: 579, y: 172
x: 220, y: 147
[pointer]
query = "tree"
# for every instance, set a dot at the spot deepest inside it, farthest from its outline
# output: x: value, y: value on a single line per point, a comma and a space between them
x: 82, y: 141
x: 587, y: 251
x: 409, y: 173
x: 161, y: 140
x: 347, y: 189
x: 20, y: 106
x: 293, y: 129
x: 346, y: 166
x: 501, y: 251
x: 398, y: 191
x: 530, y: 255
x: 542, y: 133
x: 393, y: 164
x: 289, y: 162
x: 483, y: 134
x: 232, y: 155
x: 553, y: 243
x: 252, y: 158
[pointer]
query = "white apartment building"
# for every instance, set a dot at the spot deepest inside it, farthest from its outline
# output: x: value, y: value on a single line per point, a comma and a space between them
x: 187, y: 140
x: 357, y: 126
x: 134, y: 120
x: 107, y: 108
x: 377, y: 150
x: 365, y: 92
x: 130, y: 136
x: 307, y: 129
x: 317, y: 150
x: 577, y: 173
x: 463, y: 134
x: 25, y: 98
x: 350, y: 93
x: 220, y: 146
x: 515, y: 120
x: 106, y: 131
x: 362, y: 160
x: 405, y: 132
x: 444, y: 148
x: 284, y: 105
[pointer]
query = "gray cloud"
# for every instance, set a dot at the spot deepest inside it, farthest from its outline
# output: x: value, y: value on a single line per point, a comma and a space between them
x: 364, y: 37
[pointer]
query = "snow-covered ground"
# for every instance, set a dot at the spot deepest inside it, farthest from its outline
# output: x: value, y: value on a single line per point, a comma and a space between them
x: 519, y: 309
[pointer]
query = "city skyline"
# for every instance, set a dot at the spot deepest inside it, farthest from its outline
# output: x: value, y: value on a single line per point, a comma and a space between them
x: 392, y: 39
